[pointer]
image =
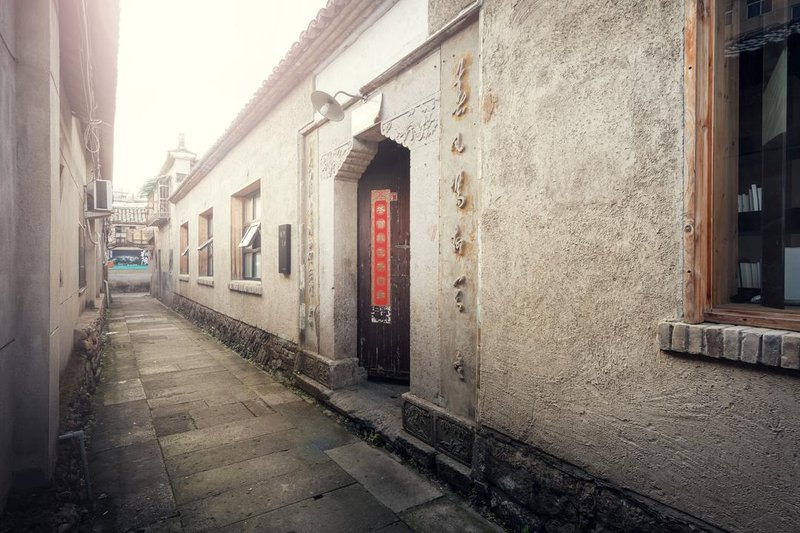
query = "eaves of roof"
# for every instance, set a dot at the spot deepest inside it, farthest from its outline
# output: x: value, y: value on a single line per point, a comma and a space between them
x: 325, y: 34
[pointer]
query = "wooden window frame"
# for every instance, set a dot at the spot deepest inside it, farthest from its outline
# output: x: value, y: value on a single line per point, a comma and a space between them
x: 205, y: 244
x: 700, y: 304
x: 184, y: 249
x: 239, y: 224
x: 81, y: 257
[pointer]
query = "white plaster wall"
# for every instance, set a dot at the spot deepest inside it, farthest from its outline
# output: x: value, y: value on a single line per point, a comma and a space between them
x: 379, y: 46
x: 68, y: 196
x: 581, y: 246
x: 35, y: 295
x: 269, y: 154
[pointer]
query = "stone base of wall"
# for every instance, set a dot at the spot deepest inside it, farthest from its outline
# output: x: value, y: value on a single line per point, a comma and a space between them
x: 86, y: 343
x: 531, y: 489
x: 264, y: 349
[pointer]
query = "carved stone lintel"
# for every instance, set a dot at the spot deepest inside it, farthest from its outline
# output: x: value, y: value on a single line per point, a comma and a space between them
x: 415, y: 127
x: 330, y: 162
x: 347, y: 162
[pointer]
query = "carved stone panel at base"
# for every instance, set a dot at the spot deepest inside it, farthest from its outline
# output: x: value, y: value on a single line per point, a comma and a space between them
x: 434, y: 426
x: 454, y: 439
x: 418, y: 422
x: 316, y: 369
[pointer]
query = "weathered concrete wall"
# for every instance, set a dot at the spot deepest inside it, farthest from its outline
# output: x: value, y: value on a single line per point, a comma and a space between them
x: 580, y: 249
x: 8, y: 169
x: 36, y: 297
x: 269, y: 154
x: 68, y: 200
x: 41, y: 212
x: 440, y: 12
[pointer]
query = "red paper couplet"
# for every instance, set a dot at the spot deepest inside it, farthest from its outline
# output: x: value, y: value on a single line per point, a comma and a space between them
x: 381, y: 255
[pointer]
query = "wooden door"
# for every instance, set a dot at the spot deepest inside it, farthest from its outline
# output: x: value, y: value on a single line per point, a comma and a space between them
x: 383, y: 264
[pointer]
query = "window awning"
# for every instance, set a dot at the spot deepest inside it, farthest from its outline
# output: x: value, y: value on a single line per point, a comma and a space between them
x: 250, y: 235
x: 209, y: 241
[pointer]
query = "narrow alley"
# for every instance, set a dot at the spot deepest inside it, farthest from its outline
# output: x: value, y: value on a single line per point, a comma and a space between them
x: 191, y: 437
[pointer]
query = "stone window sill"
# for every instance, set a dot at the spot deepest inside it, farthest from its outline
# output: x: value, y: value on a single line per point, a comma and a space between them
x: 183, y: 277
x: 246, y: 286
x: 758, y: 346
x: 208, y: 281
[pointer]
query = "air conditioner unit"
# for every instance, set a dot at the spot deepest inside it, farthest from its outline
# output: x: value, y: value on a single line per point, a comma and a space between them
x: 103, y: 195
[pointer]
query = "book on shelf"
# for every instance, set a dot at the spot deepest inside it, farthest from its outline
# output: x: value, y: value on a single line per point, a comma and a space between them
x: 751, y: 200
x: 749, y: 275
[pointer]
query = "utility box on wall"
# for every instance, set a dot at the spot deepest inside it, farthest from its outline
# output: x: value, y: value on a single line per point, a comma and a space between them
x: 285, y: 248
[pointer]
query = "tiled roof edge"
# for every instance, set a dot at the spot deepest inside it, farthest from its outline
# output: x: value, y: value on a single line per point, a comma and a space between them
x: 323, y: 36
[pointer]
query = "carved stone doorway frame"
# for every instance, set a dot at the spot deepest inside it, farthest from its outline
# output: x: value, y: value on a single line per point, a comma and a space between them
x: 336, y: 364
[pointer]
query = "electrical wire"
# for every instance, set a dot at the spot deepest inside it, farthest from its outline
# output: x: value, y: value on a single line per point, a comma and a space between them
x: 91, y: 137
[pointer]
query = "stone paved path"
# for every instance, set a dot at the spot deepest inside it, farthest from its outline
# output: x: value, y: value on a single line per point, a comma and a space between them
x: 191, y: 437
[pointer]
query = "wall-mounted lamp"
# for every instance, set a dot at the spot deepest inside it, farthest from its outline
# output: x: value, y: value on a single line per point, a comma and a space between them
x: 327, y: 106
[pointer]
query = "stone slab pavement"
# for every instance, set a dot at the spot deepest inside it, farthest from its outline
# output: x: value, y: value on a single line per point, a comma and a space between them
x: 191, y: 437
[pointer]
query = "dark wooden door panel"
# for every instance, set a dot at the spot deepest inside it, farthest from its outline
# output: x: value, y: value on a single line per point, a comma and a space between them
x: 383, y: 330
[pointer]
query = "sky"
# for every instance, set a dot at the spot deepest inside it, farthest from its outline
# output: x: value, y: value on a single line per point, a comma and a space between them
x: 189, y: 66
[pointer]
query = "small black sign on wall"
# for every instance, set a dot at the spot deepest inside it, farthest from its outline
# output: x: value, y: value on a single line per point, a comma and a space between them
x: 285, y: 248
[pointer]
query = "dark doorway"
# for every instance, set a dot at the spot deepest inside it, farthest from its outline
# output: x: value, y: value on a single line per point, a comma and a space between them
x: 383, y: 264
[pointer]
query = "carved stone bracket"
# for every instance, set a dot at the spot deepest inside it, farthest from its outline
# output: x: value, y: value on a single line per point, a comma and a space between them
x: 415, y: 127
x: 347, y: 162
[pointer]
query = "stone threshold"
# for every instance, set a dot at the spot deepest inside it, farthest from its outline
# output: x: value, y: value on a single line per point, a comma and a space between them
x: 757, y: 346
x: 376, y: 409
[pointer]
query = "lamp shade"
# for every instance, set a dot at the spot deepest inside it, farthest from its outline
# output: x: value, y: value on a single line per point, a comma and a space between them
x: 327, y: 106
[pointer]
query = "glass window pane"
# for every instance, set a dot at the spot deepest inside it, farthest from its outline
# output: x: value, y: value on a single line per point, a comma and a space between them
x: 248, y: 265
x: 257, y: 265
x: 757, y: 152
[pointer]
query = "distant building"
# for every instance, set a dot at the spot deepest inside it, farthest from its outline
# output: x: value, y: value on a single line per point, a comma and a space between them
x: 58, y: 72
x: 177, y: 165
x: 129, y: 236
